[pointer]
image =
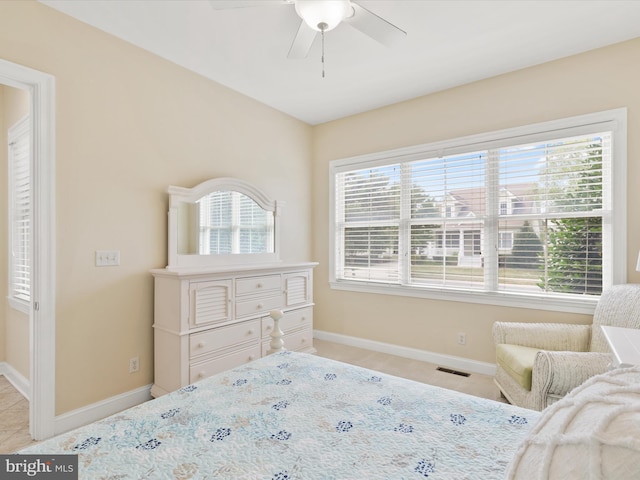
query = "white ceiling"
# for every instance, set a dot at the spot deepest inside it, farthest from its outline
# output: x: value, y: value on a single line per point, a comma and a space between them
x: 448, y: 43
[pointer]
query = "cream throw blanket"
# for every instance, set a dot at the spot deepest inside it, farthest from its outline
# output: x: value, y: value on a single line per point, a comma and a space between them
x: 592, y: 433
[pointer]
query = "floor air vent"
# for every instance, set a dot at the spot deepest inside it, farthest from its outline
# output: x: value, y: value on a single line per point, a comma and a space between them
x: 455, y: 372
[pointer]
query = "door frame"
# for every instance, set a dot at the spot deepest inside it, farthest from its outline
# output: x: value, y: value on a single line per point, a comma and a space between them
x: 42, y: 320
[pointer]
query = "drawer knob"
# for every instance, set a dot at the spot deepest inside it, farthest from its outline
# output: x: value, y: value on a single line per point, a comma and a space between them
x: 258, y: 285
x: 269, y: 327
x: 201, y: 375
x: 250, y: 357
x: 250, y: 332
x: 302, y: 319
x: 259, y: 306
x: 201, y: 344
x: 303, y: 340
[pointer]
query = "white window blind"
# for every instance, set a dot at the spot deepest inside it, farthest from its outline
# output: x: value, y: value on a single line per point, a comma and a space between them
x: 447, y: 218
x: 370, y: 223
x: 556, y: 191
x: 19, y: 139
x: 529, y: 213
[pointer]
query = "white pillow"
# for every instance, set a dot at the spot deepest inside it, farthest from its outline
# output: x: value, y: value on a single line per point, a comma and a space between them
x: 592, y: 433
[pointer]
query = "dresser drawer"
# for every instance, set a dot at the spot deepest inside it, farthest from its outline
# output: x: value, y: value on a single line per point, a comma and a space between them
x: 296, y: 341
x: 291, y: 320
x: 198, y: 371
x: 257, y: 285
x: 223, y: 337
x: 258, y: 306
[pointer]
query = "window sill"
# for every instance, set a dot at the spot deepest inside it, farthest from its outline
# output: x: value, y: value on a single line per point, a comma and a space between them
x: 583, y: 305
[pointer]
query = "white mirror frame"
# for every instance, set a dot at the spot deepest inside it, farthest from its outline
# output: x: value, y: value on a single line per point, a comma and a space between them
x: 178, y: 195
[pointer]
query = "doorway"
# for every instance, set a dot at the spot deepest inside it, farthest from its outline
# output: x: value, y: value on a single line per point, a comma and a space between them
x: 41, y: 87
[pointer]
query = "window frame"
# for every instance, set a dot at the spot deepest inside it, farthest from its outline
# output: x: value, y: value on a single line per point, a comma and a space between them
x: 17, y: 132
x: 615, y: 256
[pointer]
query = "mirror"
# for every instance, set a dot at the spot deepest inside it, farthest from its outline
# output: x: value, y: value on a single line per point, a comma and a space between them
x: 220, y: 222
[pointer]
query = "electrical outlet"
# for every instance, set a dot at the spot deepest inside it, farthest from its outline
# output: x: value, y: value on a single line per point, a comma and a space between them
x: 462, y: 339
x: 134, y: 364
x: 107, y: 258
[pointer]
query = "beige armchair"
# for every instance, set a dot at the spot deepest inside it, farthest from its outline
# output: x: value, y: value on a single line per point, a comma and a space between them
x: 538, y: 364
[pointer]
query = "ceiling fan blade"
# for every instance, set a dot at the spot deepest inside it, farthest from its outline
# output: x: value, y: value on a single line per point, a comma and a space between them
x: 302, y: 42
x: 226, y: 4
x: 374, y: 26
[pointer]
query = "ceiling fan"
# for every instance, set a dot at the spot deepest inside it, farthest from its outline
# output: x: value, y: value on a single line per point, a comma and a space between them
x: 322, y: 16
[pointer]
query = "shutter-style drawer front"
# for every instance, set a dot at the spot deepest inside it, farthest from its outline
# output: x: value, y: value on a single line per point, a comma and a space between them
x: 297, y: 288
x: 198, y: 371
x: 291, y: 320
x: 257, y: 285
x: 223, y: 337
x: 210, y: 302
x: 258, y: 306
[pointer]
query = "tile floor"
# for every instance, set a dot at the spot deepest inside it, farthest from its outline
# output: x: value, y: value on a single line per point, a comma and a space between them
x: 14, y: 408
x: 14, y: 418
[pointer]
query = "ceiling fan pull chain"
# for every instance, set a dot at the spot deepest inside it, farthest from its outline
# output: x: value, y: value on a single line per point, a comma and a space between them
x: 323, y: 27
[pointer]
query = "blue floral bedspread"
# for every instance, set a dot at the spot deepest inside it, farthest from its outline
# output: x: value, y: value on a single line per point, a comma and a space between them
x: 299, y: 416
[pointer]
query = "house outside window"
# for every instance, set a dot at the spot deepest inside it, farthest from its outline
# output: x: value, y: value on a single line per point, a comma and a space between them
x: 532, y: 213
x: 19, y: 215
x: 505, y: 240
x: 472, y: 243
x: 451, y: 240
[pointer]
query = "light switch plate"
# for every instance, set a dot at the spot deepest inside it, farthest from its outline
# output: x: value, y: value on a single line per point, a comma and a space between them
x: 107, y: 258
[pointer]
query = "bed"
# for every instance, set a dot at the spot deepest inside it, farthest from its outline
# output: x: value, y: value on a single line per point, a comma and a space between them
x: 299, y: 416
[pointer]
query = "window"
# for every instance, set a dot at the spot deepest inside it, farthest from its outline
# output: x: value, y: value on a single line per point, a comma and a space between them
x: 19, y: 216
x: 505, y: 217
x: 505, y: 240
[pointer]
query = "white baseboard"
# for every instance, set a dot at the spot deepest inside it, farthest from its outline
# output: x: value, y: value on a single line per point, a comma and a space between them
x: 16, y: 379
x: 449, y: 361
x: 99, y: 410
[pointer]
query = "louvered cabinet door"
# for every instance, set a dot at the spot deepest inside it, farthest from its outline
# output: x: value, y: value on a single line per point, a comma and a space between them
x: 297, y: 288
x: 210, y: 302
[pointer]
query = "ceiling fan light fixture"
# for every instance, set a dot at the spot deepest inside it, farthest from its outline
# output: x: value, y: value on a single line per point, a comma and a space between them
x: 323, y: 15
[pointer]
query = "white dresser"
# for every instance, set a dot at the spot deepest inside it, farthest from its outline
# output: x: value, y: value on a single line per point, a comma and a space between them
x: 213, y: 319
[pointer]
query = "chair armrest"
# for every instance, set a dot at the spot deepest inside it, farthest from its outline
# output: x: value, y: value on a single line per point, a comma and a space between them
x: 545, y: 336
x: 557, y: 373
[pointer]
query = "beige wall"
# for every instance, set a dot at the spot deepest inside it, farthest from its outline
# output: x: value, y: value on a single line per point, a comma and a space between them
x: 128, y: 124
x: 14, y: 333
x: 599, y: 80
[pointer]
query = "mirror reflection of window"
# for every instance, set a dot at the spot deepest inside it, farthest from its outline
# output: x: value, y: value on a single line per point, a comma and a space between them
x: 230, y: 222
